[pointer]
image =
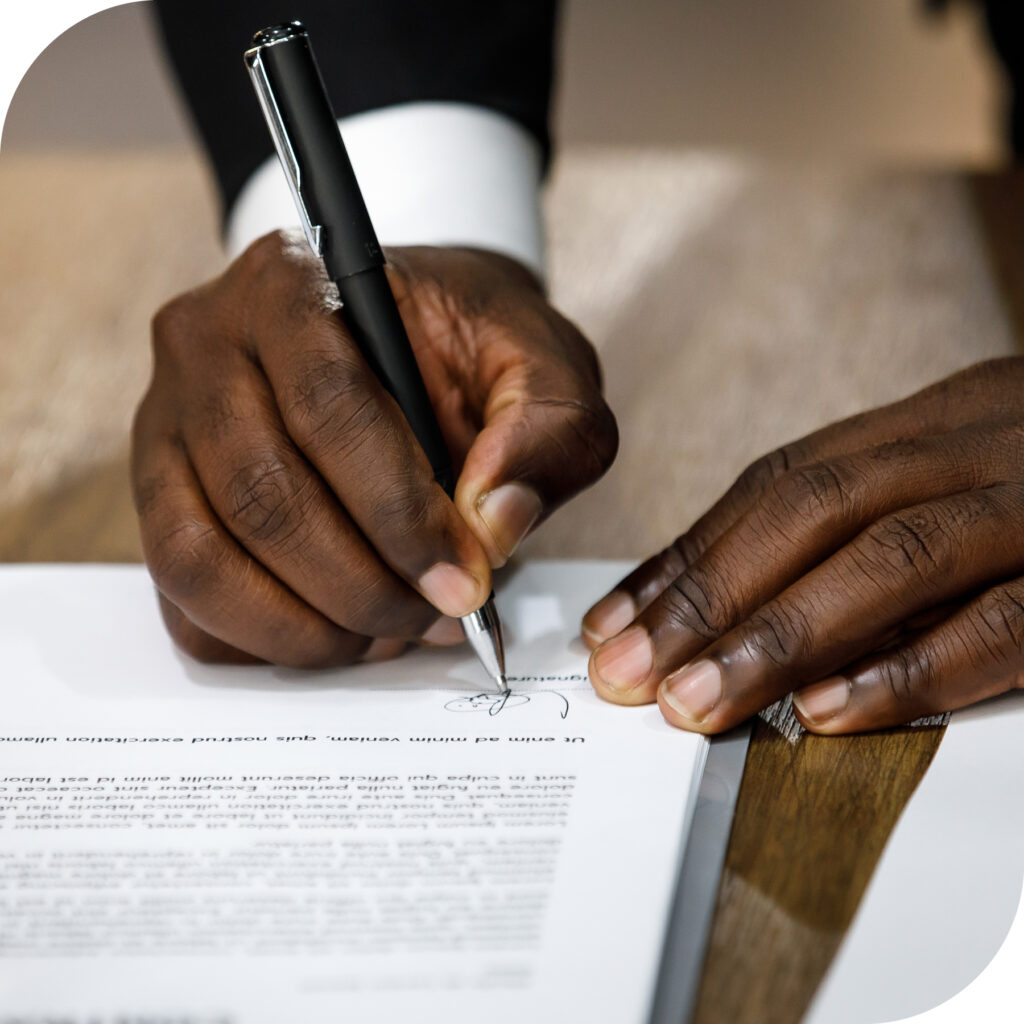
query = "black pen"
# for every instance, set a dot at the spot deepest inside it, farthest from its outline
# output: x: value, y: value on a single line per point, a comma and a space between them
x: 338, y: 229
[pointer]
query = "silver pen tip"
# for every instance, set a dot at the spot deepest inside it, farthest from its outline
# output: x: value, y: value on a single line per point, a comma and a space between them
x: 483, y: 631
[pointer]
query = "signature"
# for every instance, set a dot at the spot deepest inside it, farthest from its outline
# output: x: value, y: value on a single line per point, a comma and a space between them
x: 496, y: 703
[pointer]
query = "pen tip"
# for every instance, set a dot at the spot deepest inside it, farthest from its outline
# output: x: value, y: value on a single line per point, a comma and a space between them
x: 502, y: 683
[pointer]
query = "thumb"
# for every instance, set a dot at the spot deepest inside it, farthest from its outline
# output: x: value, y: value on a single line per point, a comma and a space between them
x: 547, y: 435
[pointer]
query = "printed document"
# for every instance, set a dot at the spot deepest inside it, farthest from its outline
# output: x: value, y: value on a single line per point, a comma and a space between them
x: 383, y: 843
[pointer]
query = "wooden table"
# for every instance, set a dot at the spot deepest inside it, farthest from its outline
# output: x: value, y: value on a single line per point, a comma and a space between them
x: 768, y: 300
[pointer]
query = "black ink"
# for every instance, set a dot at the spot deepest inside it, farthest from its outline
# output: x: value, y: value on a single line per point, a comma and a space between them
x: 496, y: 703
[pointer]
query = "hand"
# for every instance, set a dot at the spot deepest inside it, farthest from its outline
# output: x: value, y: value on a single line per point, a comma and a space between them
x: 287, y: 512
x: 872, y: 568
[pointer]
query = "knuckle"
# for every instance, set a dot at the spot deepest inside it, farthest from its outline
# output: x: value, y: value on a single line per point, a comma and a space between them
x: 186, y: 560
x: 683, y: 551
x: 174, y: 327
x: 811, y: 492
x: 999, y: 625
x: 264, y: 501
x: 763, y: 472
x: 895, y: 452
x: 910, y: 674
x: 272, y: 255
x: 418, y: 525
x: 409, y: 508
x: 282, y: 269
x: 319, y: 380
x: 268, y: 248
x: 917, y: 541
x: 590, y: 435
x: 781, y: 632
x: 329, y: 402
x: 694, y: 602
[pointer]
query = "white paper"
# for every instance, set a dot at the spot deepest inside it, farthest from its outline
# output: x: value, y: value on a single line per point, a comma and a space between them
x: 945, y: 892
x: 384, y: 843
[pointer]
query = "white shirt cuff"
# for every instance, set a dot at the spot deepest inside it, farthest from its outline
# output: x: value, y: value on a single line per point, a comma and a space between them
x: 431, y: 174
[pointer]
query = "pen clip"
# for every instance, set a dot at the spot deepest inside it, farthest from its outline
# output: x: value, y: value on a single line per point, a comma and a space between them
x: 278, y: 132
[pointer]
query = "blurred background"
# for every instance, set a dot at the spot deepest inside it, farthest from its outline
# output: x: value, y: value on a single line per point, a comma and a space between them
x: 784, y: 184
x: 843, y: 79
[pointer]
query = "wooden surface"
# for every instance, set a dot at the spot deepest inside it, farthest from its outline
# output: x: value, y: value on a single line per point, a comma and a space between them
x: 769, y: 301
x: 812, y: 819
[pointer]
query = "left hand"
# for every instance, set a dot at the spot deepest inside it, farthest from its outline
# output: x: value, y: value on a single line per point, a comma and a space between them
x: 873, y: 568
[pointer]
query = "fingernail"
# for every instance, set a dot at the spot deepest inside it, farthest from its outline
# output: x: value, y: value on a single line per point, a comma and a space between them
x: 695, y: 690
x: 610, y: 616
x: 444, y: 632
x: 383, y: 649
x: 508, y: 513
x: 625, y: 661
x: 824, y: 700
x: 450, y: 589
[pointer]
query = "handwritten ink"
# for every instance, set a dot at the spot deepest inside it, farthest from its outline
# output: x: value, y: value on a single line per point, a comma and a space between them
x: 494, y: 703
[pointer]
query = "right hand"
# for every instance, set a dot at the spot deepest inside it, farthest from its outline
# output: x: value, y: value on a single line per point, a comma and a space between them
x: 287, y: 512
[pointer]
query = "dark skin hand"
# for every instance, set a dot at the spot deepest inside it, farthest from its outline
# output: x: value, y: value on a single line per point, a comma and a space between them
x: 875, y: 569
x: 287, y: 513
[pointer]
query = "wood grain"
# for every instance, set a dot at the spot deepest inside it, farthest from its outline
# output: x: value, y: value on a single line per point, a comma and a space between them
x: 812, y: 819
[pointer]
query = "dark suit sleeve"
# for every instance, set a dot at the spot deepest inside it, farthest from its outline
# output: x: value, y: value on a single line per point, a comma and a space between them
x: 1005, y: 20
x: 372, y: 53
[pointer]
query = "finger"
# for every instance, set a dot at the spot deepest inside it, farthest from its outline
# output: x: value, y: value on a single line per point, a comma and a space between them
x: 635, y: 592
x: 649, y: 581
x: 926, y: 414
x: 884, y: 430
x: 849, y: 606
x: 219, y: 589
x: 384, y: 649
x: 280, y: 510
x: 354, y: 434
x: 196, y: 642
x: 977, y: 653
x: 445, y: 632
x: 797, y: 479
x: 803, y: 516
x: 547, y: 433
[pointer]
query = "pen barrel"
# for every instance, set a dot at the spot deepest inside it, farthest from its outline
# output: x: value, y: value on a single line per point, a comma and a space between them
x: 302, y: 121
x: 328, y: 186
x: 370, y: 312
